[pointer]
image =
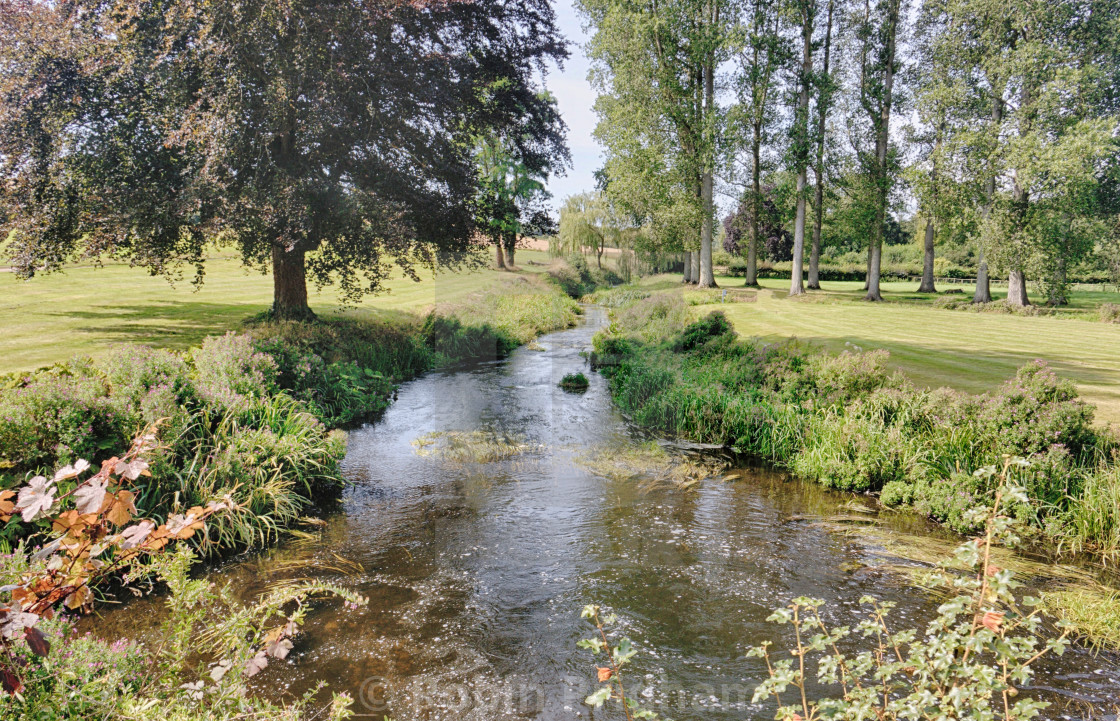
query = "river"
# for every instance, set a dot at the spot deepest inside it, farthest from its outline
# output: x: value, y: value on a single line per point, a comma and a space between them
x: 477, y: 571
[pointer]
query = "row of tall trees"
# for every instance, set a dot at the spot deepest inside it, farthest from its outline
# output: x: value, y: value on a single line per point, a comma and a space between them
x: 996, y: 121
x: 325, y: 139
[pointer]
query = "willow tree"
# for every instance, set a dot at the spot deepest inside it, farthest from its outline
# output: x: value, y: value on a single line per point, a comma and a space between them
x: 655, y: 65
x: 323, y: 138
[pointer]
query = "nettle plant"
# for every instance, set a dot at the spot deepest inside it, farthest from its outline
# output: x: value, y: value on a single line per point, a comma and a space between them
x: 968, y: 662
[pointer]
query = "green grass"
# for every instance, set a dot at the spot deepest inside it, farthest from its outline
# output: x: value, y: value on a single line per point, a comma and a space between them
x: 935, y: 347
x: 87, y: 310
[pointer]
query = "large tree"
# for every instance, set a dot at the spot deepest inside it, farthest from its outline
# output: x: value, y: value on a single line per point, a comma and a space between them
x: 323, y: 138
x: 878, y: 31
x: 655, y: 66
x: 761, y: 54
x: 806, y: 11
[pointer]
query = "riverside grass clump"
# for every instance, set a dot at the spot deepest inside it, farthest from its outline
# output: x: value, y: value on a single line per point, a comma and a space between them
x: 848, y: 423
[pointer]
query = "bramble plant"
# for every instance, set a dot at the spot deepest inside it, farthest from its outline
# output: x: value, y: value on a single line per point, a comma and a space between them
x: 611, y: 674
x: 93, y: 533
x: 968, y: 662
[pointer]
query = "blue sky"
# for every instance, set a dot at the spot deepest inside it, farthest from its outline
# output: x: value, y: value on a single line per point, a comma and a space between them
x: 575, y: 99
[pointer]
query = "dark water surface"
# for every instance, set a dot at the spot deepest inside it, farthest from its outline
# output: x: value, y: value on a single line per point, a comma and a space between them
x: 476, y: 572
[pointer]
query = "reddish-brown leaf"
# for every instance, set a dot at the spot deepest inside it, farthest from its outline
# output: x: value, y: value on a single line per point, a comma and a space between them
x: 39, y: 644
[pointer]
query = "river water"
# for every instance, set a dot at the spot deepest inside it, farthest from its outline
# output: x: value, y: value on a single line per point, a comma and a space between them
x: 477, y: 571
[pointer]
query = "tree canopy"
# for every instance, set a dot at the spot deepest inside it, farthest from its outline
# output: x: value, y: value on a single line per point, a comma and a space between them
x: 328, y: 139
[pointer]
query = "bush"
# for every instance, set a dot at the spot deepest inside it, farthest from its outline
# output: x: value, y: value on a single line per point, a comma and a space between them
x: 229, y: 373
x: 59, y: 415
x: 713, y: 325
x: 1109, y: 312
x: 846, y: 421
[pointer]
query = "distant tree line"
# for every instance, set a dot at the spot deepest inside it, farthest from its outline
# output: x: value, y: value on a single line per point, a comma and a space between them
x: 994, y: 125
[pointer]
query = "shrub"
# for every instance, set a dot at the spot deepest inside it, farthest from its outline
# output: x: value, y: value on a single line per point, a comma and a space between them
x: 229, y: 373
x: 59, y: 415
x: 713, y: 325
x: 1109, y: 312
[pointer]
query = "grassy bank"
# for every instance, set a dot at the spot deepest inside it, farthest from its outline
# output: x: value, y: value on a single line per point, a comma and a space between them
x: 934, y: 347
x: 851, y: 423
x: 251, y: 413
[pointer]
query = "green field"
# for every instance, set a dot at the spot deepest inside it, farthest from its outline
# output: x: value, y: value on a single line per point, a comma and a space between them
x: 86, y: 310
x: 969, y: 351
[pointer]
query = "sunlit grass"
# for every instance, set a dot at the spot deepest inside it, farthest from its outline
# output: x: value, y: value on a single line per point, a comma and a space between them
x: 87, y: 310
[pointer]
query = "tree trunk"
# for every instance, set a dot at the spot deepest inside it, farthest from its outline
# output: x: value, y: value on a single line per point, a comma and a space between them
x: 499, y: 256
x: 818, y: 221
x: 511, y: 250
x: 756, y: 207
x: 874, y: 273
x: 694, y: 274
x: 752, y: 262
x: 870, y: 252
x: 801, y: 149
x: 927, y: 263
x: 289, y: 285
x: 824, y: 95
x: 687, y: 267
x: 1017, y: 288
x: 882, y: 145
x: 707, y: 272
x: 983, y: 292
x: 707, y: 277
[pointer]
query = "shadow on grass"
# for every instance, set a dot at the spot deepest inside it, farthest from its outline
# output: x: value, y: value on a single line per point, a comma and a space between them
x: 167, y: 324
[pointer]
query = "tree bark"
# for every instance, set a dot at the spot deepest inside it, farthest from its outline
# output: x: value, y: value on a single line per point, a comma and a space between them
x: 687, y: 267
x: 289, y: 285
x: 882, y: 145
x: 1017, y: 288
x: 983, y: 292
x: 874, y: 273
x: 824, y: 96
x: 752, y: 262
x: 499, y: 256
x: 694, y: 275
x: 756, y: 207
x: 927, y: 285
x: 707, y: 273
x: 511, y: 250
x: 801, y: 150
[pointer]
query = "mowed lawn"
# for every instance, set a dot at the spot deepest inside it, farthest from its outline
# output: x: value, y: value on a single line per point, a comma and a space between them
x: 973, y: 352
x: 87, y: 310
